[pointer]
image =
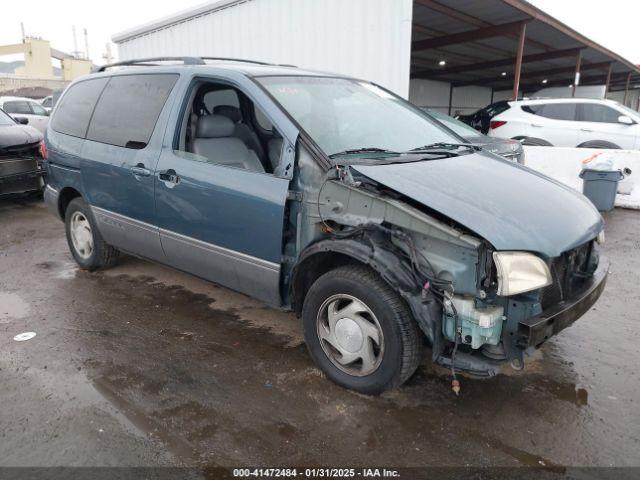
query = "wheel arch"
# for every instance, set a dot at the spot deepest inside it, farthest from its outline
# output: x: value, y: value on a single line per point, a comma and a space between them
x: 64, y: 198
x: 532, y: 141
x: 326, y: 255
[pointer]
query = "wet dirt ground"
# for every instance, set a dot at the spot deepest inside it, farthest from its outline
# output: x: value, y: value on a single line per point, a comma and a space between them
x: 141, y: 365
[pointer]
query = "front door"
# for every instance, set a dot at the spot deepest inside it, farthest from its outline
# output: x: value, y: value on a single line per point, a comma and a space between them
x: 600, y: 123
x: 222, y: 223
x: 220, y: 196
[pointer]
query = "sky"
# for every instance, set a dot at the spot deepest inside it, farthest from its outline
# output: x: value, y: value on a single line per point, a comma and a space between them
x: 54, y: 20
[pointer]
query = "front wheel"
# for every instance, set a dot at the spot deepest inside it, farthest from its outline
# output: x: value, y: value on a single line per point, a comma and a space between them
x: 359, y: 331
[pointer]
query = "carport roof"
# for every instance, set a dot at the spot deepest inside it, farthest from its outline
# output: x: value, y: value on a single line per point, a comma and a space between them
x: 479, y: 42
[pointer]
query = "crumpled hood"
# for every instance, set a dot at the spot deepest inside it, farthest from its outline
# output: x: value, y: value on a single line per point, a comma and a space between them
x: 510, y: 206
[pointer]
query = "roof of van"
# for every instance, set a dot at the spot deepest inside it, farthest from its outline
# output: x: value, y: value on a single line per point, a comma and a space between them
x: 247, y: 67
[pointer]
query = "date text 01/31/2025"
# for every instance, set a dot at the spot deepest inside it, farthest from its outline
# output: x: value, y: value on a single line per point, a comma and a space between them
x: 315, y: 473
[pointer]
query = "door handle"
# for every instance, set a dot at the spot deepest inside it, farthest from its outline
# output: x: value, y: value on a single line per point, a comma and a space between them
x: 140, y: 171
x: 586, y: 130
x: 536, y: 125
x: 170, y: 177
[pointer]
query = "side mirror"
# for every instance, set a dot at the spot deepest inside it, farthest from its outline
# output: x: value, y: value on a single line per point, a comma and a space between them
x: 21, y: 120
x: 625, y: 120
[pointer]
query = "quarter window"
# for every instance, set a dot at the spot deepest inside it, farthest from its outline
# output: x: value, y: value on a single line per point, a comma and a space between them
x: 592, y: 112
x: 128, y: 109
x: 75, y: 107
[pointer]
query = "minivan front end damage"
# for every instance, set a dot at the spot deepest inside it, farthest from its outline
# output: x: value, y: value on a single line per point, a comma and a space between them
x: 478, y: 307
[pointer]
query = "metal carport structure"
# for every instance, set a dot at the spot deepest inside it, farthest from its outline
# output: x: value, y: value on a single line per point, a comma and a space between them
x: 509, y: 46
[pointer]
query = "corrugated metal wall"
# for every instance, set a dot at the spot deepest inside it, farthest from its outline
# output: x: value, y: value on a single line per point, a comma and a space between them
x: 369, y: 39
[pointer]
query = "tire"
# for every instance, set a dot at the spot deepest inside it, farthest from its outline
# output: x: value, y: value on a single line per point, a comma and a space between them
x: 346, y: 290
x: 533, y: 142
x: 87, y: 246
x: 599, y: 144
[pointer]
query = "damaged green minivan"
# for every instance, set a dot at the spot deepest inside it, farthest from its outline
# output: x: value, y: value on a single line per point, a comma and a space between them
x: 330, y: 196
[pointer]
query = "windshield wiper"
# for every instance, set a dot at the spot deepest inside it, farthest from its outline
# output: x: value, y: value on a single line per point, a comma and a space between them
x: 356, y: 151
x: 444, y: 146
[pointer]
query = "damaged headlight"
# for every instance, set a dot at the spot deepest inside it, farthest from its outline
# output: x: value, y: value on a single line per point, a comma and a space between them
x: 520, y: 272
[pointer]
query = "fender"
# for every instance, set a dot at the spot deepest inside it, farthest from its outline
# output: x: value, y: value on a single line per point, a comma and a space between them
x: 377, y: 252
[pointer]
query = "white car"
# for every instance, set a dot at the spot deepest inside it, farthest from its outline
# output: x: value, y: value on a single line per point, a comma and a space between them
x: 32, y: 110
x: 569, y: 122
x: 47, y: 103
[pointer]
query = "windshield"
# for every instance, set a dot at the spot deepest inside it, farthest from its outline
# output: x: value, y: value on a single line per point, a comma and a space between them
x: 457, y: 126
x: 343, y: 115
x: 6, y: 119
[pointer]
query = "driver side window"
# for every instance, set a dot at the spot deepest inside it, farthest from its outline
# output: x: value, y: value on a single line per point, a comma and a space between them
x: 219, y: 127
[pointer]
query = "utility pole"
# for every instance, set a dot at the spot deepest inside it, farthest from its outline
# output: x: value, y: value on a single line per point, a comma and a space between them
x: 75, y: 52
x: 86, y: 44
x: 107, y: 55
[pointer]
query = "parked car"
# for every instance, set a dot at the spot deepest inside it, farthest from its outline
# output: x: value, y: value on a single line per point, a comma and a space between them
x: 507, y: 148
x: 21, y: 169
x: 481, y: 119
x: 47, y: 103
x: 36, y: 114
x: 569, y: 122
x: 328, y: 196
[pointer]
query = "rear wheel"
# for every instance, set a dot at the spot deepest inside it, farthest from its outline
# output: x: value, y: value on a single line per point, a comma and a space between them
x: 359, y: 331
x: 88, y: 248
x: 599, y: 144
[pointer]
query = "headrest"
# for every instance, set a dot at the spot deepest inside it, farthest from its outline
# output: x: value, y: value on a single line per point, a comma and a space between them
x: 214, y: 126
x: 232, y: 113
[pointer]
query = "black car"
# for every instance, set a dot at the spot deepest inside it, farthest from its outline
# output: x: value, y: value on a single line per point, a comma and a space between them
x: 481, y: 119
x: 505, y: 147
x: 21, y: 169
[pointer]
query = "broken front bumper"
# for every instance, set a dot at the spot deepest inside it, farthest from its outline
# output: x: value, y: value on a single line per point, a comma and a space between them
x: 534, y: 331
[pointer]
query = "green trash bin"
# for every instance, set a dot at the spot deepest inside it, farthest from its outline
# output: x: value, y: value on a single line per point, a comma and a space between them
x: 601, y: 186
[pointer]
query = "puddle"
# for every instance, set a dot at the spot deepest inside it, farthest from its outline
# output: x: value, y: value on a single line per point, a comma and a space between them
x: 12, y: 307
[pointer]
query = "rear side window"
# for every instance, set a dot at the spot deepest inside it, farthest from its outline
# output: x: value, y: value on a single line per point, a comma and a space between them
x: 555, y: 111
x: 74, y: 110
x: 17, y: 106
x: 128, y: 109
x: 592, y: 112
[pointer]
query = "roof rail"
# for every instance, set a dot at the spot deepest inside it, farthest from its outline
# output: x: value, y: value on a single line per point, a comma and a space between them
x: 144, y: 61
x: 241, y: 60
x: 184, y: 60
